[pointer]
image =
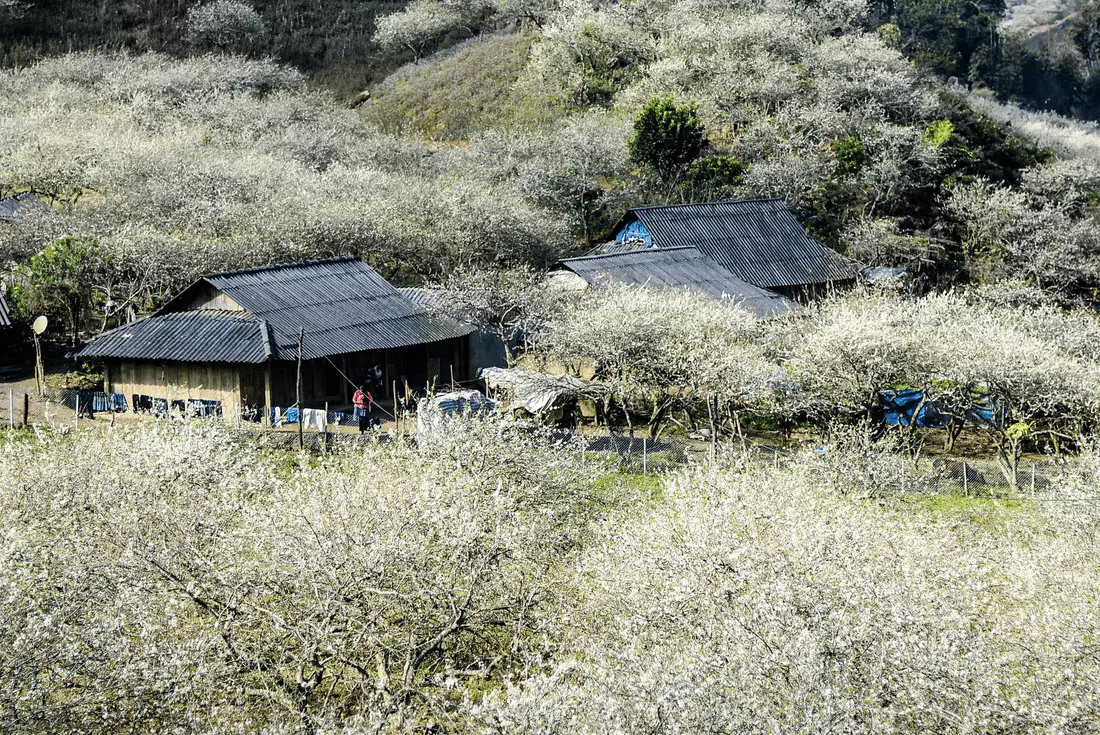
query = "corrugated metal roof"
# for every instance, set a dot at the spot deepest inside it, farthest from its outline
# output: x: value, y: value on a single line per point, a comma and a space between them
x: 185, y: 336
x: 683, y: 267
x: 343, y: 305
x: 10, y: 207
x: 429, y: 298
x: 759, y: 241
x: 5, y: 312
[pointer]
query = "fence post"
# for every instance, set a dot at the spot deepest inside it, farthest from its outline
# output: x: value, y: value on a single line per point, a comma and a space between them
x: 26, y: 409
x: 966, y: 490
x: 645, y: 457
x: 1033, y: 477
x: 11, y: 410
x: 76, y: 418
x: 324, y: 431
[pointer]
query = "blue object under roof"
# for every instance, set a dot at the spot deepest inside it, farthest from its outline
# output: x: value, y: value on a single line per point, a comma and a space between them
x: 759, y: 241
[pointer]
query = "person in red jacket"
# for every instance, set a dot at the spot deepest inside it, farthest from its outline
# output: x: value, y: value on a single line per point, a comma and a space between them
x: 363, y: 400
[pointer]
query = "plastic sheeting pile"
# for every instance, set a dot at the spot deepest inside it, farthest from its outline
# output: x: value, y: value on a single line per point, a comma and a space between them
x: 536, y: 391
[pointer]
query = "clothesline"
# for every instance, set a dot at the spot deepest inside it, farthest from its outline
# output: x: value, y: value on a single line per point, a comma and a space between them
x: 353, y: 385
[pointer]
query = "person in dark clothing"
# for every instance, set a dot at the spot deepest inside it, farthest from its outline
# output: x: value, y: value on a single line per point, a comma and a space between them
x: 86, y: 406
x: 362, y: 401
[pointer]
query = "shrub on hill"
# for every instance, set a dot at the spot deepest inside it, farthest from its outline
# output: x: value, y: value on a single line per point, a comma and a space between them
x: 467, y: 90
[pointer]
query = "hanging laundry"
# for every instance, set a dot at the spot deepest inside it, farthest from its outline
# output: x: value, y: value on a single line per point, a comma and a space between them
x: 314, y: 418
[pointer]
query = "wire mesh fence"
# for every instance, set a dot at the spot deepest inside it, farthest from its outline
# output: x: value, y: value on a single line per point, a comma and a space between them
x: 324, y: 429
x: 989, y: 478
x: 643, y: 454
x: 20, y: 407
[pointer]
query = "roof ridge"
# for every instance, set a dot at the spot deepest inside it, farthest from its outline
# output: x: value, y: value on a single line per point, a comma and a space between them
x: 241, y: 314
x: 276, y: 266
x: 707, y: 204
x: 653, y: 248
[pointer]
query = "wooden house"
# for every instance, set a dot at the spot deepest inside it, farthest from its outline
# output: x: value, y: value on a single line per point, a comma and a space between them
x: 230, y: 340
x: 760, y: 242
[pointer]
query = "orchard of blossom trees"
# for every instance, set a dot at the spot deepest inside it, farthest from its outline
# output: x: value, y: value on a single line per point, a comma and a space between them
x: 175, y: 577
x: 172, y: 578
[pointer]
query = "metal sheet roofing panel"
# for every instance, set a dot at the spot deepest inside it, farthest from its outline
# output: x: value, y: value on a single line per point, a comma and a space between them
x: 11, y: 207
x: 343, y: 305
x: 759, y: 241
x: 682, y: 267
x: 185, y: 336
x: 5, y: 312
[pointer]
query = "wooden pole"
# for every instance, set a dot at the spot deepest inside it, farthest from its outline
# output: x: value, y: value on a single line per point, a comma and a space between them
x: 298, y: 391
x: 11, y: 410
x: 26, y: 409
x: 267, y: 418
x: 39, y: 373
x: 966, y: 490
x: 713, y: 428
x: 324, y: 431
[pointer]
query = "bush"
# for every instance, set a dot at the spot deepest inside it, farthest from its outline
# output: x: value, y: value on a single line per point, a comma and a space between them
x: 225, y: 25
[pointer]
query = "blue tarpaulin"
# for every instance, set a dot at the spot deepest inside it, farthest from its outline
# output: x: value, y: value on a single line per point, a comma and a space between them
x: 900, y: 405
x: 986, y: 409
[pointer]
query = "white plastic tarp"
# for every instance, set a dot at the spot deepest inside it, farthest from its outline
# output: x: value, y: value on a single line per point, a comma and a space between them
x: 537, y: 391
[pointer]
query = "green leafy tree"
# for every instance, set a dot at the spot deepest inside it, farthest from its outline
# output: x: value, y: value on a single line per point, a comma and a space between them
x: 667, y: 137
x: 712, y: 177
x: 850, y: 155
x: 60, y: 281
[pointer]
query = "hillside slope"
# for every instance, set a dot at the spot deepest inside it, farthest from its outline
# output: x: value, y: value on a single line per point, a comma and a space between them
x: 171, y: 167
x: 329, y: 39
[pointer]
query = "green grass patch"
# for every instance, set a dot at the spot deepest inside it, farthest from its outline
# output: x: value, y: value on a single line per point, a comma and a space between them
x: 461, y: 93
x: 984, y: 512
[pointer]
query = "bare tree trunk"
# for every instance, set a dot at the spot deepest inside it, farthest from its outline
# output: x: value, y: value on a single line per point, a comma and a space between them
x: 740, y: 434
x: 713, y: 428
x: 584, y: 222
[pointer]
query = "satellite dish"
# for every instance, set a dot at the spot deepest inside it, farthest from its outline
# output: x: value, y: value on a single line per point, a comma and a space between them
x: 40, y: 325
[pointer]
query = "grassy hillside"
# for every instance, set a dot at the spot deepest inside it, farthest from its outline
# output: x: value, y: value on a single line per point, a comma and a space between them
x: 462, y: 91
